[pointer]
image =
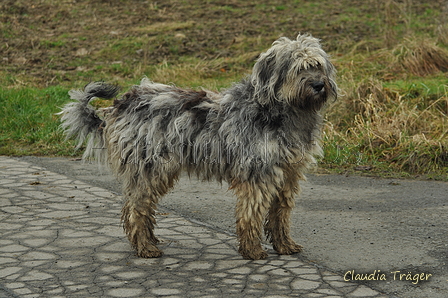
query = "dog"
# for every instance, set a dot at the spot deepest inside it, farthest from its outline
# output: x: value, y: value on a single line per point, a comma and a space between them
x: 260, y: 136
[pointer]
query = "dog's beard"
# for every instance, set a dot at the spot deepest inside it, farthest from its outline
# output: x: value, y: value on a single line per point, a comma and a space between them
x: 312, y: 101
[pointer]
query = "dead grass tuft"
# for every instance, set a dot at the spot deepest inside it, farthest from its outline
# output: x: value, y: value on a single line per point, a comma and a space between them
x: 420, y: 57
x: 417, y: 57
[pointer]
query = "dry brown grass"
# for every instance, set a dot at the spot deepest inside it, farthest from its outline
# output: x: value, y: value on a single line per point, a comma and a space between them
x: 420, y: 57
x: 405, y: 131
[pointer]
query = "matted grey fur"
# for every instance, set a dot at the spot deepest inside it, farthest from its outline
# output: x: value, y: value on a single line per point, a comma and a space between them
x: 260, y: 136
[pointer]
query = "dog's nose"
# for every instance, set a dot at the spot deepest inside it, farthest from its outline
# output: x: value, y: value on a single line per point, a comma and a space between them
x: 317, y: 86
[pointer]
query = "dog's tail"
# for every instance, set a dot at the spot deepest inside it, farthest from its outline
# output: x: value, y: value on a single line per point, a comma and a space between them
x: 80, y: 120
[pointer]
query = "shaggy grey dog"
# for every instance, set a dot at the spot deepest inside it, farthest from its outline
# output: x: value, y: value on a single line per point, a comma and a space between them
x: 260, y: 135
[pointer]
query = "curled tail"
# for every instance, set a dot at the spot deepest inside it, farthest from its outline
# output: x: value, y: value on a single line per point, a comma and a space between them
x: 80, y: 120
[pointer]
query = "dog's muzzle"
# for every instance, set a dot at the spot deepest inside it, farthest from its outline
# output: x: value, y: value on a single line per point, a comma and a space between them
x: 317, y: 86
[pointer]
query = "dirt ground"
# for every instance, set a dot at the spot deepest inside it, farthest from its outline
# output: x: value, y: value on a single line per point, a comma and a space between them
x: 48, y: 42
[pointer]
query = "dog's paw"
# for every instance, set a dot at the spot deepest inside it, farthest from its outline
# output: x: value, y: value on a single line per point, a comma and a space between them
x: 288, y: 249
x: 154, y: 252
x: 258, y: 254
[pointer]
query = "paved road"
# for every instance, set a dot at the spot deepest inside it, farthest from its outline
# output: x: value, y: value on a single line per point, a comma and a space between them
x: 61, y: 237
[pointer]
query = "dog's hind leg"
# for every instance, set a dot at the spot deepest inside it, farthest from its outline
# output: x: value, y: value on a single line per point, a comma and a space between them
x: 252, y: 204
x: 277, y: 225
x: 138, y: 213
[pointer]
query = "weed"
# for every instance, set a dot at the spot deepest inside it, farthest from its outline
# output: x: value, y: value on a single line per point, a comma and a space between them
x: 52, y: 44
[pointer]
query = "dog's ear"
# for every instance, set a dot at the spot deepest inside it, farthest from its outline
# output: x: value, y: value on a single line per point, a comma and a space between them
x: 269, y: 73
x: 261, y: 75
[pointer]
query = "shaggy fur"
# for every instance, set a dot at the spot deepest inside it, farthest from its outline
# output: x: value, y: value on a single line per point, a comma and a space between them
x: 260, y: 135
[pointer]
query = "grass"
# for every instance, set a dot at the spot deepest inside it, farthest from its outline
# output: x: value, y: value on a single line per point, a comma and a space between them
x: 29, y: 124
x: 392, y: 61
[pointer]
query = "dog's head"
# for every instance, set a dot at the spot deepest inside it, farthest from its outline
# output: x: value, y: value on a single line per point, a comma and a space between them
x: 297, y: 72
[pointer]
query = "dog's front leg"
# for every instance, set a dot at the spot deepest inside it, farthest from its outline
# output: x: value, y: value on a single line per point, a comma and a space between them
x: 277, y: 225
x: 252, y: 205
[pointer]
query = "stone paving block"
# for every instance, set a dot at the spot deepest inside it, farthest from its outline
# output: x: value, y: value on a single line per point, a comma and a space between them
x: 303, y: 284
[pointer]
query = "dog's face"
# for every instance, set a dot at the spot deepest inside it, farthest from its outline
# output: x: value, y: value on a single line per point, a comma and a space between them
x: 297, y: 72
